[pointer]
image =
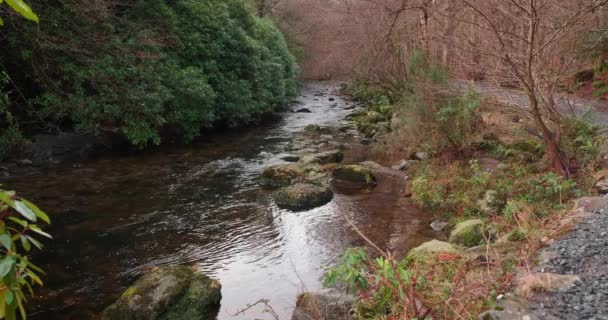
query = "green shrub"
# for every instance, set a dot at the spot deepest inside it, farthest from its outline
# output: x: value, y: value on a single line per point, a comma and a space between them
x: 18, y: 233
x: 150, y: 67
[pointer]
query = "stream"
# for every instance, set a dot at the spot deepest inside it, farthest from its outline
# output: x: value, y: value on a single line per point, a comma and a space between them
x: 116, y: 217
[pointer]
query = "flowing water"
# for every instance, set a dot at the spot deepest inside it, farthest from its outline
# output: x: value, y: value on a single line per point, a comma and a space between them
x: 115, y: 218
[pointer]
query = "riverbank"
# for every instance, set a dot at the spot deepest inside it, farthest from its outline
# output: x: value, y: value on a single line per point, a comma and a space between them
x: 499, y: 204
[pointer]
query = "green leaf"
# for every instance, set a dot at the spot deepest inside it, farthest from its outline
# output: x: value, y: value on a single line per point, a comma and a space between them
x: 10, y: 297
x: 26, y: 244
x: 35, y: 242
x: 25, y: 211
x: 5, y: 240
x: 23, y: 9
x: 5, y: 266
x: 39, y: 231
x: 1, y: 21
x: 7, y: 197
x: 18, y: 221
x: 39, y: 213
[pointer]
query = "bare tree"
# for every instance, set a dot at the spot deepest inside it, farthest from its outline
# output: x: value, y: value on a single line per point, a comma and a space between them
x: 530, y: 42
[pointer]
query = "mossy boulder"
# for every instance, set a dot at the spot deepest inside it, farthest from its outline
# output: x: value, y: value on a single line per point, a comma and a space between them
x: 170, y: 292
x: 302, y: 196
x: 355, y: 174
x: 331, y: 156
x: 281, y: 175
x: 432, y: 247
x: 469, y: 233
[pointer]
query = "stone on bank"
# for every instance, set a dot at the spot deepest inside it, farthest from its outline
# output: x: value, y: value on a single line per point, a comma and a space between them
x: 168, y: 293
x: 469, y: 233
x: 327, y: 305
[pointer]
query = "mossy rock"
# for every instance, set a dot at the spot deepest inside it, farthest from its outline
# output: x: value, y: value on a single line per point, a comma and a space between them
x: 469, y: 233
x: 331, y: 156
x: 302, y: 196
x: 356, y: 174
x: 169, y: 292
x: 281, y: 175
x: 432, y: 247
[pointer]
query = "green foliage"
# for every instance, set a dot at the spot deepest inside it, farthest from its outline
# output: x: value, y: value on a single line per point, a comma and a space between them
x: 151, y: 68
x: 458, y: 188
x: 379, y: 281
x: 457, y: 120
x: 18, y: 233
x: 581, y: 138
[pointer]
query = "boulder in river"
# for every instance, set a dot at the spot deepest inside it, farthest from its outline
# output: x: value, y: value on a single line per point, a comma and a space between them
x: 303, y: 110
x: 469, y: 233
x: 302, y: 196
x: 355, y: 174
x: 281, y: 175
x: 169, y: 292
x: 289, y: 174
x: 331, y: 156
x: 329, y: 305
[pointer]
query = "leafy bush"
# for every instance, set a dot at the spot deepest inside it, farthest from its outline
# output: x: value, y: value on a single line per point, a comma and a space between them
x: 149, y: 67
x: 17, y: 236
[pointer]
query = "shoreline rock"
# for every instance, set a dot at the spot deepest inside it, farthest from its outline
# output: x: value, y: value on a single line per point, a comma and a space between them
x: 169, y: 292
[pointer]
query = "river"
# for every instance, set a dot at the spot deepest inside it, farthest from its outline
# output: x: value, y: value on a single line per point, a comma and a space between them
x: 117, y: 216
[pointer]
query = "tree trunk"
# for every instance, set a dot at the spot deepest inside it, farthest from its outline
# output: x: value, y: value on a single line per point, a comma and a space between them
x: 559, y: 163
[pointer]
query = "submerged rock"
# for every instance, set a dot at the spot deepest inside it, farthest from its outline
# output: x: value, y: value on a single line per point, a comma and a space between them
x: 290, y: 158
x: 356, y: 174
x: 469, y: 233
x: 170, y: 292
x: 302, y: 196
x: 330, y: 305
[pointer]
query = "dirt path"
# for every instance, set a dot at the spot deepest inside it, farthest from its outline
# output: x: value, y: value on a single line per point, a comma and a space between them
x: 566, y: 103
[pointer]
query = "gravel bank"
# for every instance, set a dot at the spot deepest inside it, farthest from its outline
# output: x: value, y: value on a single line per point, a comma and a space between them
x: 583, y: 252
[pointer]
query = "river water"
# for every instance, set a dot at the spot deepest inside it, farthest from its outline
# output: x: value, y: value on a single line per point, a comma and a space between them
x: 116, y: 217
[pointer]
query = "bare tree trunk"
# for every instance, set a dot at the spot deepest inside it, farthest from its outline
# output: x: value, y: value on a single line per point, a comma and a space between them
x: 424, y: 27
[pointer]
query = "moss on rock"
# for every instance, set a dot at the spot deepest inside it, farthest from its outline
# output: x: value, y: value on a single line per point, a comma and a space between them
x: 469, y: 233
x: 432, y: 247
x: 302, y: 196
x: 170, y: 292
x: 355, y: 174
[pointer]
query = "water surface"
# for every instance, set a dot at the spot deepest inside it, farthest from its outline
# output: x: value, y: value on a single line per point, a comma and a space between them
x: 115, y: 218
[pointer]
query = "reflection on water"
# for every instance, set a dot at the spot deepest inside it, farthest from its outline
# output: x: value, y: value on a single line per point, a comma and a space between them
x: 115, y: 218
